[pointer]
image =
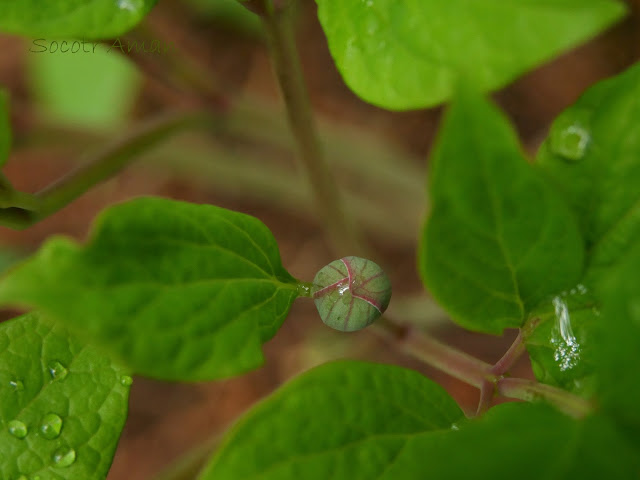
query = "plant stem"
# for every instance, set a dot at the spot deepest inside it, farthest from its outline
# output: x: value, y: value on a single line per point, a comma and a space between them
x: 475, y: 372
x: 531, y: 391
x: 419, y: 345
x: 510, y: 357
x: 28, y: 209
x: 286, y: 63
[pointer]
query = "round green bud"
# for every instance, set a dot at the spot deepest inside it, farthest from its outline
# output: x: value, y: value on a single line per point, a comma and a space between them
x: 351, y: 293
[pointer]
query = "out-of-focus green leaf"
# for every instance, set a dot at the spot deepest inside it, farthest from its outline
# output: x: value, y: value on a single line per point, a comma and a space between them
x: 92, y: 87
x: 72, y: 18
x: 403, y: 54
x: 342, y: 420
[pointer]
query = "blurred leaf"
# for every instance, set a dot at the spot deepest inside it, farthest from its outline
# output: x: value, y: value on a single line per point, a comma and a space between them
x: 175, y: 290
x: 518, y: 440
x: 403, y: 54
x: 89, y: 19
x: 617, y: 346
x: 498, y: 239
x: 592, y: 154
x: 61, y: 401
x: 92, y: 87
x: 342, y: 420
x: 231, y: 12
x: 364, y: 421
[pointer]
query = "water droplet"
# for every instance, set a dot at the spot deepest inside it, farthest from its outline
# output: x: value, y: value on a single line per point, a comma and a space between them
x: 129, y: 5
x: 126, y: 380
x: 51, y: 426
x: 567, y: 352
x: 64, y: 457
x: 570, y: 142
x: 343, y: 288
x: 17, y: 429
x: 57, y: 370
x: 16, y: 385
x: 304, y: 290
x: 454, y: 426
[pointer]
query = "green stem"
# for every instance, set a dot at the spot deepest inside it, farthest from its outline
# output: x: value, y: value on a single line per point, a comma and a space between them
x: 28, y: 209
x: 286, y: 63
x: 447, y: 359
x: 475, y: 372
x: 531, y: 391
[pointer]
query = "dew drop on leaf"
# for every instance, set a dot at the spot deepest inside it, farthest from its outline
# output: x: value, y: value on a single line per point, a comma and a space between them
x: 17, y: 428
x: 16, y: 385
x: 57, y: 370
x: 51, y: 426
x: 571, y: 142
x: 126, y: 380
x: 64, y: 457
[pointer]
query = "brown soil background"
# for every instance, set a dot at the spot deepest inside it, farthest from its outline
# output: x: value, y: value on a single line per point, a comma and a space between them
x: 167, y: 419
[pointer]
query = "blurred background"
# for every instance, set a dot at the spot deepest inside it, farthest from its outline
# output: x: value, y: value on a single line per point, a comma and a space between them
x: 211, y: 55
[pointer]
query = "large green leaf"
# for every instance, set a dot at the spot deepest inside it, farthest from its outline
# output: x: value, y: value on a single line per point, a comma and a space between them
x: 523, y: 441
x: 62, y: 407
x: 402, y: 54
x: 617, y: 346
x: 343, y: 420
x: 5, y: 128
x: 175, y: 290
x: 358, y: 421
x: 561, y: 345
x: 72, y: 18
x: 498, y: 239
x: 593, y: 155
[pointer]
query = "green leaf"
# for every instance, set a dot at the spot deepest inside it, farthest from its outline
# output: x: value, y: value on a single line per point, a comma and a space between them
x: 5, y: 128
x: 617, y: 349
x: 561, y: 345
x: 518, y: 440
x: 60, y: 400
x: 91, y: 19
x: 364, y: 421
x: 231, y: 13
x: 498, y: 239
x: 90, y: 88
x: 403, y: 54
x: 342, y: 420
x: 592, y: 155
x: 175, y: 290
